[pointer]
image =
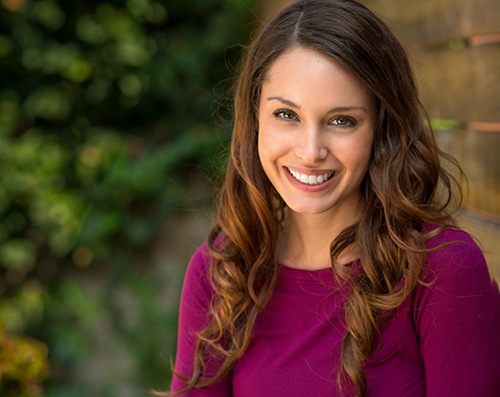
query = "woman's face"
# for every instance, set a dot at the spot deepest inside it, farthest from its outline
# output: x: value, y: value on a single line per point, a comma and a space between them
x: 316, y: 127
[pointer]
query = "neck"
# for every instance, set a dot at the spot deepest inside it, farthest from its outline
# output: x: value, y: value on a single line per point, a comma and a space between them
x: 305, y: 241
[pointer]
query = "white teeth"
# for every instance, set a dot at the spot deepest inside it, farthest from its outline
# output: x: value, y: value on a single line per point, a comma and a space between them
x: 311, y: 179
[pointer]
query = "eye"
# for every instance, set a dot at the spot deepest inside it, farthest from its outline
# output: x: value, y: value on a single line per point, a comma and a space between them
x: 285, y: 115
x: 343, y: 121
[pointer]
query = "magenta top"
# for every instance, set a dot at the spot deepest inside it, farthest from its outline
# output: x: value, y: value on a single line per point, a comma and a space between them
x: 443, y: 341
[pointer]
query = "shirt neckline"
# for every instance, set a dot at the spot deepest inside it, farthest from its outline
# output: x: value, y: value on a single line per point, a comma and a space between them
x: 312, y: 275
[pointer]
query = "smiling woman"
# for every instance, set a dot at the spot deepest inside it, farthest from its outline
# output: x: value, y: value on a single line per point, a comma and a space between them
x: 333, y: 268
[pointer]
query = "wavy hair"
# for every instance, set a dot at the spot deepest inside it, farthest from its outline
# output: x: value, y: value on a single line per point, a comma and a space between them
x: 405, y: 188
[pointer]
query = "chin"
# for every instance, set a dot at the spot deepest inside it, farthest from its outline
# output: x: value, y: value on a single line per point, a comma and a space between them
x: 307, y: 210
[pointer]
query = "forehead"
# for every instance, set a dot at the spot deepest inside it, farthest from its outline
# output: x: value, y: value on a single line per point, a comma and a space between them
x: 304, y: 74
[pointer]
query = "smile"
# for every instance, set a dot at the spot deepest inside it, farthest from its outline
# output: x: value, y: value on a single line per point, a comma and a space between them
x: 311, y: 179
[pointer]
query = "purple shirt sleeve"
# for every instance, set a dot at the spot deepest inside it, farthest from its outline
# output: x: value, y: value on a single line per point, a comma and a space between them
x: 193, y: 317
x: 457, y: 320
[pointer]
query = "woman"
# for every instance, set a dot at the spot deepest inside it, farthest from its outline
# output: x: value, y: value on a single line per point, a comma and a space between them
x: 333, y: 268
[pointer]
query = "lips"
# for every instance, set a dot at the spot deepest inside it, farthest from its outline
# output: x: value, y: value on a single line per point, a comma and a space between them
x: 311, y: 179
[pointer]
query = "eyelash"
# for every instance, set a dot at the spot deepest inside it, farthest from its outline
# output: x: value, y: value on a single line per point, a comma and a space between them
x: 289, y: 116
x: 351, y: 122
x: 285, y: 115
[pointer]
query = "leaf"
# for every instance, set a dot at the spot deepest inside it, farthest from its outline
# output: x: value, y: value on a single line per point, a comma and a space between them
x: 17, y: 254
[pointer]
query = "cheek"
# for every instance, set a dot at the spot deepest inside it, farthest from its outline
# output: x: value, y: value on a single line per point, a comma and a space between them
x: 260, y: 145
x: 265, y: 143
x: 268, y: 150
x: 261, y: 148
x: 274, y: 141
x: 368, y: 155
x: 364, y: 158
x: 355, y: 155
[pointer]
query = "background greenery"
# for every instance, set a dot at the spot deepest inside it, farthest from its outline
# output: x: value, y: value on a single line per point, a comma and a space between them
x: 106, y: 110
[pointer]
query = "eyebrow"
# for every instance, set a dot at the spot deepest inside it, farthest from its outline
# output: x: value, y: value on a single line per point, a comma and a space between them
x: 335, y: 109
x: 284, y: 101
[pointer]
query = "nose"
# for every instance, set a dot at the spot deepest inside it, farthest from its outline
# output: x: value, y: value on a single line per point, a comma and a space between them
x: 310, y: 146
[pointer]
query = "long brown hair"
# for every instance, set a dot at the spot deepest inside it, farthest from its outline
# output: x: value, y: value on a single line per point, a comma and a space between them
x: 405, y: 188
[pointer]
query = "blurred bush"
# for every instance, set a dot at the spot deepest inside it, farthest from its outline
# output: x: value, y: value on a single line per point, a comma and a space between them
x: 105, y: 108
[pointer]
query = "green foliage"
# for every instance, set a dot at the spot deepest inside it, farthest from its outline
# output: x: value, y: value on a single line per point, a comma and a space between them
x: 444, y: 124
x: 23, y: 366
x: 105, y: 109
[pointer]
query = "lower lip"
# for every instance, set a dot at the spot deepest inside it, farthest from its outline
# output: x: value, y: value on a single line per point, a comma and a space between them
x: 310, y: 188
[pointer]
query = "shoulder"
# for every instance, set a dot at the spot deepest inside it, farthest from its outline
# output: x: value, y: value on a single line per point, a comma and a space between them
x: 200, y: 259
x: 449, y: 236
x: 197, y: 277
x: 453, y: 250
x: 456, y: 270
